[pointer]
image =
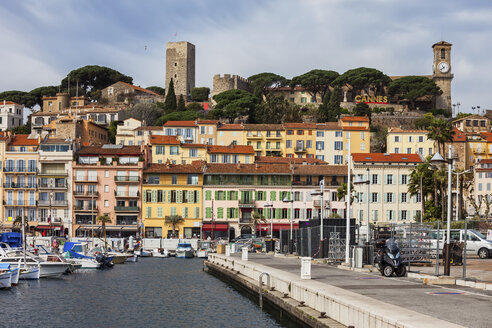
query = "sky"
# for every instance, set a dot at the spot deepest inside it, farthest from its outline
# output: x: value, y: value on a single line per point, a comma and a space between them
x: 44, y: 40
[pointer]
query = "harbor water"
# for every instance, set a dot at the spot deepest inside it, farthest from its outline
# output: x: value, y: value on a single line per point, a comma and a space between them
x: 154, y: 292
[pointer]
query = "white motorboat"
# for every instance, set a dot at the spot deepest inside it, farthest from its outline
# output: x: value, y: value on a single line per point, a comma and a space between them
x: 5, y: 279
x: 185, y: 250
x: 143, y: 253
x: 76, y: 253
x: 204, y: 248
x: 47, y: 256
x: 160, y: 252
x: 31, y: 273
x: 132, y: 258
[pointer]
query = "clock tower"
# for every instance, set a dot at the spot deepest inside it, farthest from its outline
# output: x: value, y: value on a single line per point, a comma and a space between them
x: 441, y: 74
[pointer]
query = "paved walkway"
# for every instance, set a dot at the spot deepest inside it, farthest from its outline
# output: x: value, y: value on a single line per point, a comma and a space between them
x: 476, y: 268
x: 461, y: 305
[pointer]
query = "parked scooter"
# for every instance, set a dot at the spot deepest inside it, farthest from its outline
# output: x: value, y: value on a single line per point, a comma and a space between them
x: 388, y: 259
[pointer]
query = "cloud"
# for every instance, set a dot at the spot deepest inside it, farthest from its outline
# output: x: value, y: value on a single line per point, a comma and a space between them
x: 48, y: 39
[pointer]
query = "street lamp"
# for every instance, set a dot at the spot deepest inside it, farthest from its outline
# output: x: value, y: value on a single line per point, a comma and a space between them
x: 437, y: 159
x: 271, y: 218
x: 360, y: 181
x: 321, y: 238
x: 291, y: 201
x: 458, y: 192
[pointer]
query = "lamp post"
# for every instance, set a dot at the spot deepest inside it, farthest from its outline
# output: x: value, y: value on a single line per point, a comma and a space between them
x: 291, y: 201
x: 436, y: 160
x: 321, y: 237
x: 361, y: 181
x: 458, y: 192
x: 347, y: 229
x: 271, y: 218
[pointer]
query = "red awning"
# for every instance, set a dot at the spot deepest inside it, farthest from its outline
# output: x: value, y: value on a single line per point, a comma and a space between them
x: 278, y: 226
x: 216, y: 226
x: 48, y: 227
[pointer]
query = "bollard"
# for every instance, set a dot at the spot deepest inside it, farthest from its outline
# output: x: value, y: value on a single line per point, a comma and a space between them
x: 228, y: 250
x: 244, y: 253
x: 305, y: 268
x: 130, y: 243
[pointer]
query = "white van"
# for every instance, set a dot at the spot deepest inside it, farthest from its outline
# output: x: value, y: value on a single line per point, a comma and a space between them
x: 476, y: 243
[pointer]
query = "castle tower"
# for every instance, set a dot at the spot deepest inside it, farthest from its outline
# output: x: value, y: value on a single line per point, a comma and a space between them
x: 442, y: 73
x: 180, y: 66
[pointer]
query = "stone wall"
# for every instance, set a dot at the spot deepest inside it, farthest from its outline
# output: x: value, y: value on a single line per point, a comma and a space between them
x: 404, y: 121
x: 180, y: 66
x: 228, y: 82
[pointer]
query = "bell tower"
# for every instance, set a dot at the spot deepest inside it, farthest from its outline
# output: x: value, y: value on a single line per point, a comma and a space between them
x: 441, y: 74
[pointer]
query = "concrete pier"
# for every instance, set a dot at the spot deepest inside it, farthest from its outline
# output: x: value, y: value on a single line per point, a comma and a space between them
x: 366, y: 300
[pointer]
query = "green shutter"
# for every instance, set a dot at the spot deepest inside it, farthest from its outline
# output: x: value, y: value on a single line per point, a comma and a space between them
x: 154, y: 196
x: 256, y: 195
x: 198, y: 200
x: 208, y: 195
x: 220, y: 212
x: 217, y: 195
x: 197, y: 212
x: 288, y: 214
x: 163, y: 196
x: 179, y: 196
x: 237, y: 213
x: 208, y: 212
x: 191, y: 197
x: 272, y: 195
x: 228, y: 195
x: 169, y: 196
x: 279, y: 213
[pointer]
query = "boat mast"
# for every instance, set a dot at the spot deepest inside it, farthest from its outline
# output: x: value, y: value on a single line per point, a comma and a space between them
x: 24, y: 239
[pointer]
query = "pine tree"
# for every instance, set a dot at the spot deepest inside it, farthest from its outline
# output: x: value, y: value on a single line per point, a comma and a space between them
x: 333, y: 107
x: 181, y: 104
x: 170, y: 101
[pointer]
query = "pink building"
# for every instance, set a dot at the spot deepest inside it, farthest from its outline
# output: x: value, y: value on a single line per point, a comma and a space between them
x: 107, y: 180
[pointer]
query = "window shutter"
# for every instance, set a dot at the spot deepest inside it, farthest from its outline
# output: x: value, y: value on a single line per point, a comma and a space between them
x: 228, y: 195
x: 272, y: 195
x: 169, y: 196
x: 301, y: 196
x: 208, y: 195
x: 385, y: 197
x: 179, y: 196
x: 208, y: 212
x: 289, y: 214
x: 278, y: 213
x: 220, y: 212
x: 228, y: 213
x: 163, y: 196
x: 154, y: 196
x: 237, y: 212
x: 216, y: 195
x: 198, y: 196
x: 256, y: 195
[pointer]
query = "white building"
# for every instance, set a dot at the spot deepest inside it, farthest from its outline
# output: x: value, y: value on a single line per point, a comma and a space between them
x: 11, y: 115
x: 482, y: 186
x: 389, y: 199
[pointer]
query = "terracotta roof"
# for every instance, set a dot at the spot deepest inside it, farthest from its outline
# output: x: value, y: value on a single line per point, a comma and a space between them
x: 485, y: 161
x: 300, y: 125
x: 163, y: 140
x: 231, y: 127
x: 81, y: 111
x: 486, y: 136
x: 140, y: 128
x: 355, y: 128
x: 180, y: 123
x: 287, y: 160
x: 458, y: 136
x: 280, y: 169
x: 207, y: 122
x: 139, y: 88
x: 386, y: 158
x: 195, y: 167
x: 22, y: 140
x: 232, y: 149
x: 340, y: 170
x: 56, y: 141
x: 263, y: 127
x: 191, y: 145
x: 355, y: 119
x: 471, y: 117
x: 328, y: 126
x: 7, y: 102
x: 398, y: 130
x: 101, y: 150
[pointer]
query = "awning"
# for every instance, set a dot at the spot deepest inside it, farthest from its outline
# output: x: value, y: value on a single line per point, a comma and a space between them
x: 121, y: 228
x: 216, y: 226
x: 277, y: 226
x: 47, y: 227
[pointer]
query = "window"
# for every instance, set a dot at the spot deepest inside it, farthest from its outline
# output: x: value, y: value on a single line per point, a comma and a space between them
x: 338, y: 145
x: 290, y: 132
x: 300, y: 132
x: 396, y: 139
x: 338, y: 159
x: 443, y: 54
x: 309, y: 144
x: 320, y: 145
x: 389, y: 197
x: 226, y: 158
x: 403, y: 197
x: 375, y: 215
x: 174, y: 179
x: 482, y: 123
x: 303, y: 100
x: 193, y: 152
x: 106, y: 203
x: 106, y: 188
x: 409, y: 150
x: 404, y: 179
x: 192, y: 179
x: 214, y: 158
x: 159, y: 150
x: 320, y: 133
x: 418, y: 198
x: 390, y: 215
x: 159, y: 212
x: 288, y: 144
x: 362, y: 146
x: 403, y: 215
x: 374, y: 197
x: 468, y: 123
x: 174, y: 150
x: 389, y: 179
x: 396, y: 150
x: 421, y: 138
x: 338, y: 134
x: 421, y: 151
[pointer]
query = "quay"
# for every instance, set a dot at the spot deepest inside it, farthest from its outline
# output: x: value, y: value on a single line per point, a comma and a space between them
x: 355, y: 299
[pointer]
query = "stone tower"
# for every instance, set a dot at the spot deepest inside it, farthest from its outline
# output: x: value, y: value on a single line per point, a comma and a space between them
x: 442, y: 73
x: 180, y: 66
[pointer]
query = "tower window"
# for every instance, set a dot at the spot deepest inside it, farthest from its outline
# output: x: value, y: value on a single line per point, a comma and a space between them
x: 175, y: 75
x: 443, y: 54
x: 175, y: 64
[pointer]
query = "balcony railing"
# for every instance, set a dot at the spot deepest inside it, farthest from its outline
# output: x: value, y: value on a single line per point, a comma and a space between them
x: 119, y: 178
x: 300, y: 149
x: 19, y: 185
x: 126, y: 208
x: 127, y: 194
x: 20, y: 169
x: 20, y: 202
x: 245, y: 220
x: 53, y: 202
x: 57, y: 173
x: 254, y: 135
x: 85, y: 208
x: 246, y: 203
x: 274, y: 136
x: 126, y: 222
x: 85, y: 193
x: 52, y: 185
x: 85, y: 179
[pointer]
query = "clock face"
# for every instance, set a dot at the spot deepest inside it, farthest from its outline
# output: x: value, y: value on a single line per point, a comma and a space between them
x: 443, y: 67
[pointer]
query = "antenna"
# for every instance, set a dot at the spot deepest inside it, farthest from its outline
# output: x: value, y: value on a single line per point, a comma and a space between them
x: 68, y: 84
x: 77, y: 100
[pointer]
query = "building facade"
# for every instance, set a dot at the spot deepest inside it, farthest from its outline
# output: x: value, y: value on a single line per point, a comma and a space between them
x: 11, y: 115
x: 401, y: 141
x: 180, y: 67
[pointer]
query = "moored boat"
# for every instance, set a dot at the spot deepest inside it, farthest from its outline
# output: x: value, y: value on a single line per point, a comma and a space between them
x: 160, y: 252
x: 204, y: 247
x: 5, y: 279
x: 30, y: 273
x: 185, y: 250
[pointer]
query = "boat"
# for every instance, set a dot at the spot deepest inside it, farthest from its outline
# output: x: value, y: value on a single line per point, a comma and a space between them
x: 48, y: 256
x: 31, y: 273
x: 131, y: 258
x: 160, y: 252
x: 185, y: 250
x: 118, y: 258
x: 75, y: 253
x: 204, y: 247
x: 143, y: 253
x: 5, y: 279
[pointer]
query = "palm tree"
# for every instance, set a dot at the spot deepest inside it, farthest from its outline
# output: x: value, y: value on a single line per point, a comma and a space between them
x: 441, y: 131
x: 18, y: 222
x: 103, y: 219
x: 174, y: 220
x: 422, y: 182
x: 342, y: 192
x: 257, y: 218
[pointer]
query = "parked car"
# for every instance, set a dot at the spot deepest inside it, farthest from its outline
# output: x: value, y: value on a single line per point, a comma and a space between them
x: 476, y: 243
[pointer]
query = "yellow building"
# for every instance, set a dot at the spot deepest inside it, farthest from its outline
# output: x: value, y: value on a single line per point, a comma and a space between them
x: 479, y: 146
x: 169, y: 190
x: 232, y: 154
x: 169, y: 148
x: 266, y: 139
x: 360, y: 138
x: 207, y: 131
x: 228, y: 134
x: 300, y: 140
x: 401, y: 141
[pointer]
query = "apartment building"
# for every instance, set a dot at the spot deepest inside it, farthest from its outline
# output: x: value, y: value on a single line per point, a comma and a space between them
x: 228, y: 134
x: 401, y: 141
x: 168, y: 190
x: 185, y: 131
x: 230, y: 154
x: 207, y: 131
x: 300, y: 140
x: 266, y: 139
x: 107, y: 181
x: 389, y: 199
x: 11, y: 115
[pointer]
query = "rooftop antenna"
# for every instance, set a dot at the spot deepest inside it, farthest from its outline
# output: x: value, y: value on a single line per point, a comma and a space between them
x: 76, y: 100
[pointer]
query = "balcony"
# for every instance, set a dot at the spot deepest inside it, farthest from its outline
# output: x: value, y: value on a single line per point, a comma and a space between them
x: 20, y: 169
x: 54, y: 173
x: 245, y: 220
x: 86, y: 179
x: 127, y: 179
x: 53, y: 203
x: 479, y: 151
x: 246, y: 203
x: 90, y: 194
x: 274, y: 136
x: 84, y: 208
x: 126, y: 208
x: 257, y: 147
x: 126, y: 222
x: 300, y: 150
x: 188, y: 138
x: 317, y: 203
x: 19, y: 203
x: 251, y: 135
x: 19, y: 185
x: 45, y: 185
x: 126, y: 194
